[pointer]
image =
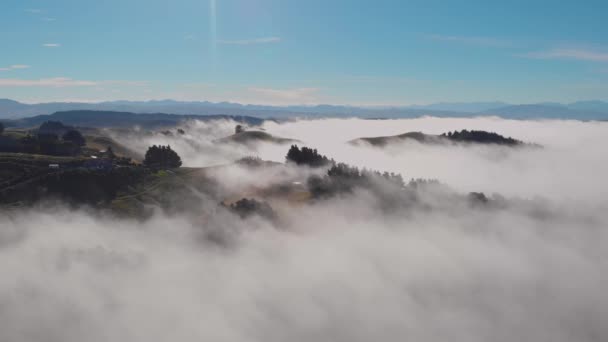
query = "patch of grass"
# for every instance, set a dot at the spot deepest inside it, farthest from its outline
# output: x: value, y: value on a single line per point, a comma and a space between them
x: 100, y: 143
x: 15, y: 134
x: 162, y: 173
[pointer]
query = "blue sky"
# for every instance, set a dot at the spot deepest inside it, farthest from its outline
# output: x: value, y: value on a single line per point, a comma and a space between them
x: 379, y: 52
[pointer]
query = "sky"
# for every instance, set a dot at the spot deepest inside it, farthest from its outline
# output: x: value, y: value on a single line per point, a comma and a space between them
x: 281, y: 52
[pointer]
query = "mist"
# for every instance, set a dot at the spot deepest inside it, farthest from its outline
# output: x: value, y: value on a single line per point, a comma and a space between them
x: 340, y: 269
x: 569, y: 166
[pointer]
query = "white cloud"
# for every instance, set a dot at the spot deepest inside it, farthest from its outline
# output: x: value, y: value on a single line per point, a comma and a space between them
x: 15, y: 67
x: 33, y: 10
x: 571, y: 53
x: 264, y: 40
x: 125, y: 83
x: 45, y: 82
x: 58, y: 82
x: 336, y: 270
x: 481, y: 41
x: 51, y: 45
x: 49, y: 19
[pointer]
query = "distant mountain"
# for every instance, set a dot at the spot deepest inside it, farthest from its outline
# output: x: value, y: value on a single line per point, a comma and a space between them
x: 13, y: 110
x: 584, y: 110
x: 462, y: 107
x: 88, y: 118
x: 598, y: 106
x: 549, y: 111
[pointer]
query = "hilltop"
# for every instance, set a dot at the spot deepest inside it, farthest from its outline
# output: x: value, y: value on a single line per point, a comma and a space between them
x: 111, y: 119
x: 248, y: 137
x: 464, y: 136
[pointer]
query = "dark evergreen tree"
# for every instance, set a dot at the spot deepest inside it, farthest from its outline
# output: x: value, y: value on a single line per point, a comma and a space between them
x: 307, y: 156
x: 481, y: 137
x: 239, y: 129
x: 162, y: 157
x: 74, y: 137
x: 1, y: 128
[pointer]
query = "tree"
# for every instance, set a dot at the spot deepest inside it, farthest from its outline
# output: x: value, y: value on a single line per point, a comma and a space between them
x: 53, y: 127
x: 239, y: 129
x: 75, y: 137
x: 162, y: 157
x: 110, y: 153
x: 307, y: 156
x: 1, y: 128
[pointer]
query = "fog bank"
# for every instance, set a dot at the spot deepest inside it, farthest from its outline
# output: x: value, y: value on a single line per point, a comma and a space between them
x: 339, y: 269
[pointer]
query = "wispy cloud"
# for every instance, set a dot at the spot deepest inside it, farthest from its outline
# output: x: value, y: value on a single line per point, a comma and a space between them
x: 580, y: 54
x: 60, y: 82
x: 15, y: 67
x: 51, y: 45
x: 45, y: 82
x: 124, y: 83
x: 264, y: 40
x: 49, y: 19
x: 33, y: 10
x: 469, y: 40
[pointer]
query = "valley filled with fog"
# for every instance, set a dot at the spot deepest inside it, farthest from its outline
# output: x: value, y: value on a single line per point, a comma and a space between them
x: 524, y: 261
x: 570, y: 165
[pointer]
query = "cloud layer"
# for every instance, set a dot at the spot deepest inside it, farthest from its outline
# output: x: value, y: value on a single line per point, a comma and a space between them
x: 336, y: 270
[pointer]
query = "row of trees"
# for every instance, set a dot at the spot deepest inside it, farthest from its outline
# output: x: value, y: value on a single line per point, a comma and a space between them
x: 341, y: 178
x: 482, y: 137
x: 42, y: 144
x: 51, y: 138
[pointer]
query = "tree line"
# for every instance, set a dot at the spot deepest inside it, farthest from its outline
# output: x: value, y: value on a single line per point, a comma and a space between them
x: 482, y: 137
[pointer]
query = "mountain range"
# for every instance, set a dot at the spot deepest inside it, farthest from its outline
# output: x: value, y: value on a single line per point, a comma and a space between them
x: 582, y: 110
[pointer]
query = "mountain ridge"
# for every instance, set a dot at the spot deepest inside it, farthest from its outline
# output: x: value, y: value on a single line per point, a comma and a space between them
x: 581, y: 110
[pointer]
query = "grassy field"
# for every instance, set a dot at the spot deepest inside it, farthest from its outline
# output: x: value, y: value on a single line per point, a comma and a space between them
x: 15, y: 133
x: 100, y: 143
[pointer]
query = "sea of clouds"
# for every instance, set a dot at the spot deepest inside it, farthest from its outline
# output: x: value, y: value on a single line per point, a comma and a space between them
x: 340, y: 269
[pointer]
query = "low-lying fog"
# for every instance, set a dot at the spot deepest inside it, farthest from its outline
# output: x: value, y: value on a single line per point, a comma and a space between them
x: 336, y: 270
x: 571, y: 165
